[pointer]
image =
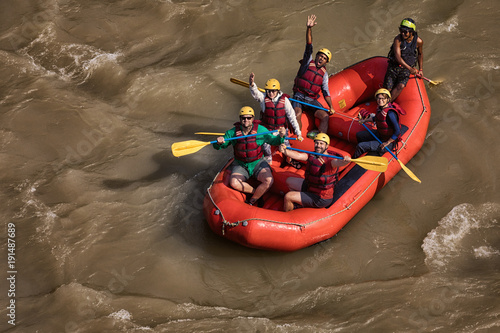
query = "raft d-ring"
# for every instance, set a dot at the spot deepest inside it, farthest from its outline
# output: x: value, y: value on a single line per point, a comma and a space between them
x: 245, y: 223
x: 216, y: 212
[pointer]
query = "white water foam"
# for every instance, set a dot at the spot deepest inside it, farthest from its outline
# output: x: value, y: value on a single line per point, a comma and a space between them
x: 67, y: 61
x: 121, y: 315
x: 462, y: 234
x: 450, y: 25
x: 486, y: 252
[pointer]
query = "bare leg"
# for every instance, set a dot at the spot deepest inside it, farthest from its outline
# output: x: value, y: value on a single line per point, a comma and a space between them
x: 265, y: 177
x: 238, y: 182
x: 298, y: 115
x: 294, y: 184
x: 396, y: 91
x: 323, y: 117
x: 291, y: 198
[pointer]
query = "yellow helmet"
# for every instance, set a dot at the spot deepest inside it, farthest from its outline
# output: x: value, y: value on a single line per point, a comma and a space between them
x: 246, y: 110
x: 272, y: 84
x: 322, y: 137
x: 327, y: 53
x: 383, y: 91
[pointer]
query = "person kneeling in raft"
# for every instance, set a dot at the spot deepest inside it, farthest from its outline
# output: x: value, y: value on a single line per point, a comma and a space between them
x: 316, y: 190
x: 248, y: 154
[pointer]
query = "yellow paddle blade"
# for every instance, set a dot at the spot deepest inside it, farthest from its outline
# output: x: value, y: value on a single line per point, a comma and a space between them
x: 375, y: 163
x: 408, y: 172
x: 187, y: 147
x: 434, y: 83
x: 209, y: 133
x: 243, y: 83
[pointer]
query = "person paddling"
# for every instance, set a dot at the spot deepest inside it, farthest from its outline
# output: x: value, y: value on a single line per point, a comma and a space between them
x: 317, y: 188
x: 388, y: 127
x: 248, y: 154
x: 406, y: 51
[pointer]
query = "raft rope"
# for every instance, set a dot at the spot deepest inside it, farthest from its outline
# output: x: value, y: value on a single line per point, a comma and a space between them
x: 226, y: 223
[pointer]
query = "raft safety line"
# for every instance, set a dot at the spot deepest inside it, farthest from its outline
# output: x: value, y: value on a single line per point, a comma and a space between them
x: 419, y: 118
x: 301, y: 226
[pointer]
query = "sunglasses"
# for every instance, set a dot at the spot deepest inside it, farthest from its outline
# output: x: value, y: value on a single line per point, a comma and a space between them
x: 246, y: 118
x: 404, y: 31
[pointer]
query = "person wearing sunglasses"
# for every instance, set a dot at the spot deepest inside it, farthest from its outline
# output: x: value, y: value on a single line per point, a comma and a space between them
x: 311, y: 79
x: 277, y: 111
x: 406, y: 51
x: 248, y: 154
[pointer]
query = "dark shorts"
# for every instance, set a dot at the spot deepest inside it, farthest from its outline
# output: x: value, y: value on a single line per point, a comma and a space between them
x: 303, y: 98
x: 395, y: 75
x: 237, y: 168
x: 313, y: 200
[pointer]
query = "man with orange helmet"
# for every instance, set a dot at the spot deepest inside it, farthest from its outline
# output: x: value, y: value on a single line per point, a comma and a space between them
x: 312, y: 79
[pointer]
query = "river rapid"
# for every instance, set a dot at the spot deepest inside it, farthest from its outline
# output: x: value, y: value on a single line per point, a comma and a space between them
x: 102, y: 228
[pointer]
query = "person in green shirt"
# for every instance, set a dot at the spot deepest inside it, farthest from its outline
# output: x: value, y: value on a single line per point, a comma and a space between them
x: 248, y: 154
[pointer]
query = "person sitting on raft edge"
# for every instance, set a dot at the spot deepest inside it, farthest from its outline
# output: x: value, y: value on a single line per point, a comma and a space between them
x: 389, y: 129
x: 277, y: 111
x: 406, y: 51
x: 311, y: 79
x: 317, y: 188
x: 248, y: 154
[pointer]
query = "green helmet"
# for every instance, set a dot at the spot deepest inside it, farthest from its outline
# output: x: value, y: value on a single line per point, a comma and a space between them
x: 408, y: 23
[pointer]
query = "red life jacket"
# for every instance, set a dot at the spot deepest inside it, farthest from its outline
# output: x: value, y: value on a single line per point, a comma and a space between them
x: 311, y: 81
x: 383, y: 127
x: 247, y: 150
x: 320, y: 177
x: 274, y: 116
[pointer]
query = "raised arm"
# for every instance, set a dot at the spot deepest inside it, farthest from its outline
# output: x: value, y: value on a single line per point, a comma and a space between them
x: 311, y: 22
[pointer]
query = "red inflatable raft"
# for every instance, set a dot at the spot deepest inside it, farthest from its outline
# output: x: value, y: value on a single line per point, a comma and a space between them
x: 269, y: 227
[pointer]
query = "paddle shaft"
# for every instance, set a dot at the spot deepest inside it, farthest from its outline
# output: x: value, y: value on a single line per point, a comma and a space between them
x: 373, y: 163
x: 210, y: 133
x: 373, y: 134
x: 314, y: 153
x: 243, y: 83
x: 320, y: 107
x: 246, y: 84
x: 245, y: 136
x: 404, y: 167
